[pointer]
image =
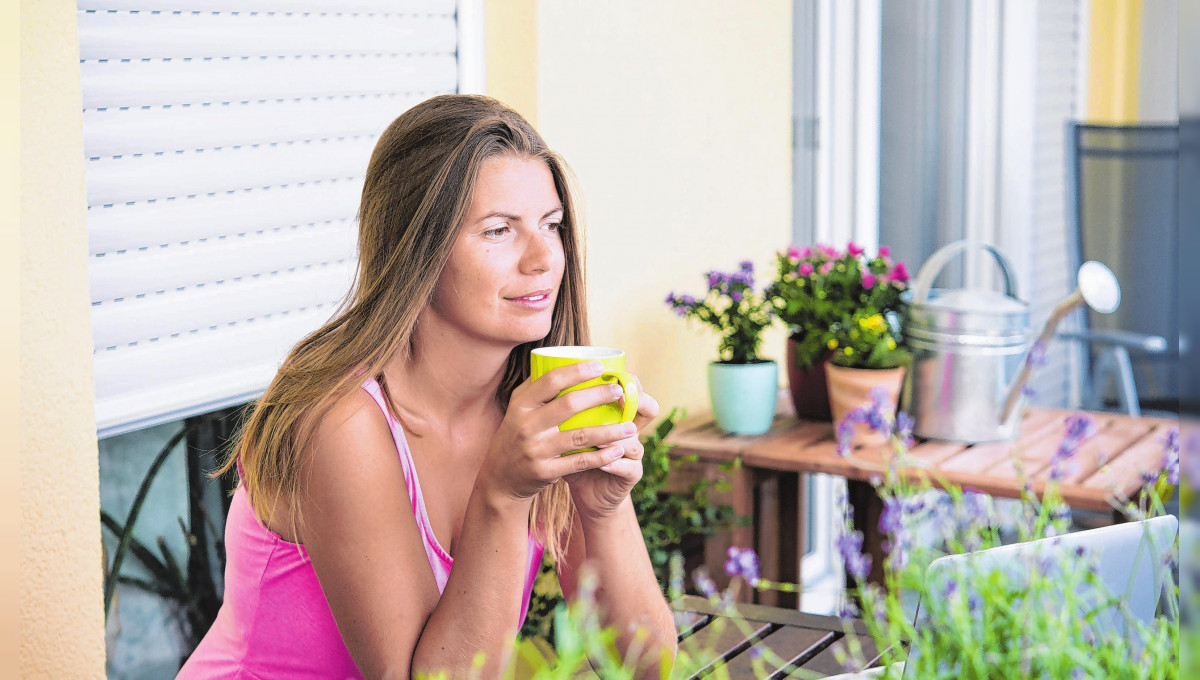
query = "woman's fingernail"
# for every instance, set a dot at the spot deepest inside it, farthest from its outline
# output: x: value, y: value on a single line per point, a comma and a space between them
x: 616, y: 452
x: 616, y: 391
x: 628, y: 428
x: 595, y: 368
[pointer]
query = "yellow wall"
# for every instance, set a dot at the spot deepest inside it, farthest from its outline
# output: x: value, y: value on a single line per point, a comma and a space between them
x: 511, y: 54
x: 676, y: 117
x: 1114, y: 43
x: 62, y: 628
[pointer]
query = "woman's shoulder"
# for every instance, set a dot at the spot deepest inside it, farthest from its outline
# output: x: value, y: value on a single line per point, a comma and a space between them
x: 353, y: 432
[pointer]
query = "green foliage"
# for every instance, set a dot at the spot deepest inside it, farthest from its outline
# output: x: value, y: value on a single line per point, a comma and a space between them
x: 825, y: 296
x: 733, y: 309
x: 667, y: 520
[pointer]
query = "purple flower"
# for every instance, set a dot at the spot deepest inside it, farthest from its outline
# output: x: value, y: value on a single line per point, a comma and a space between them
x: 951, y: 588
x: 746, y: 266
x: 744, y: 563
x: 687, y: 300
x: 1191, y: 447
x: 704, y: 583
x: 904, y: 427
x: 973, y: 602
x: 736, y: 296
x: 1170, y: 459
x: 890, y: 520
x: 1037, y: 355
x: 868, y: 280
x: 806, y: 269
x: 715, y: 279
x: 1028, y: 391
x: 670, y: 298
x: 1079, y: 426
x: 845, y: 436
x: 849, y: 546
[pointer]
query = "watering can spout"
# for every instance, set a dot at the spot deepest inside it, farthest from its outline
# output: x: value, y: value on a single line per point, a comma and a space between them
x: 1099, y: 289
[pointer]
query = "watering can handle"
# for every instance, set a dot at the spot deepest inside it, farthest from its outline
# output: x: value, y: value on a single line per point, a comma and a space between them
x: 930, y: 270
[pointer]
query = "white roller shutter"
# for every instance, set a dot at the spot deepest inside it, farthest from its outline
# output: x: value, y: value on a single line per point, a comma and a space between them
x: 226, y: 144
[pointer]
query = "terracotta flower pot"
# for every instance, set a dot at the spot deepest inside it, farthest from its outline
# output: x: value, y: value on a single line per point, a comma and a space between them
x: 807, y: 385
x: 850, y: 388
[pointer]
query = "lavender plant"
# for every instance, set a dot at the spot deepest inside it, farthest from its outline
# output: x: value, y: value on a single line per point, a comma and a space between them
x: 733, y: 308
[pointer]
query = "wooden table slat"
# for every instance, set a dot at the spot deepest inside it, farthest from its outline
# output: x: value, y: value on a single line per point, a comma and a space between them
x: 1036, y: 426
x: 725, y: 638
x: 786, y: 643
x: 1123, y: 472
x: 1097, y: 450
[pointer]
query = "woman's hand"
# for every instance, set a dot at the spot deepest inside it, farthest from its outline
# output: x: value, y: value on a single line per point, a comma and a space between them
x: 599, y: 492
x: 526, y: 452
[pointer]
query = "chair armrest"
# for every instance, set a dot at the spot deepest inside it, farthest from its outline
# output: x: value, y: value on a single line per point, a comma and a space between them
x: 1140, y: 342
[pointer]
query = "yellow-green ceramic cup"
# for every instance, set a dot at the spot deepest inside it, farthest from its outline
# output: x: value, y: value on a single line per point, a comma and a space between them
x: 545, y: 359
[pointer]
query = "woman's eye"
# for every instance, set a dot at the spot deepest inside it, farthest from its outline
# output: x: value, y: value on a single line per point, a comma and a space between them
x: 496, y: 232
x: 554, y: 226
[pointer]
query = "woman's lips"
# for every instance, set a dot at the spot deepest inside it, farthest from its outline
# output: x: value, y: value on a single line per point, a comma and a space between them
x: 533, y: 300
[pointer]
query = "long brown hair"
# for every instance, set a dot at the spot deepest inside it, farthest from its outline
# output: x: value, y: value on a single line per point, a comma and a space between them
x: 416, y: 194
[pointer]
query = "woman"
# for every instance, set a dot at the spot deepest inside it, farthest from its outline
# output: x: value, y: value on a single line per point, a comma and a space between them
x: 404, y: 436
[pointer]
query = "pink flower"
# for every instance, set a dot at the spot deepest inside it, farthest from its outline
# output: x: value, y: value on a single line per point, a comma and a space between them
x: 825, y: 268
x: 900, y: 273
x: 884, y: 251
x: 854, y: 249
x: 793, y: 253
x: 805, y: 253
x: 868, y: 280
x: 806, y: 269
x: 828, y: 252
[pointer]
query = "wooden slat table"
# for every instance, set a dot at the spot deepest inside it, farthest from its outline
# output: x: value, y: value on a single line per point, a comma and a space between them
x: 1108, y: 464
x: 799, y: 640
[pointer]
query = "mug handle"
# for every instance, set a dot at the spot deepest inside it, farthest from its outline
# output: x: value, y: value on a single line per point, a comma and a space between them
x: 629, y: 385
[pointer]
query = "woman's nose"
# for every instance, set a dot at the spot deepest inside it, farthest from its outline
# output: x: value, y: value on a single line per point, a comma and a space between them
x: 538, y: 256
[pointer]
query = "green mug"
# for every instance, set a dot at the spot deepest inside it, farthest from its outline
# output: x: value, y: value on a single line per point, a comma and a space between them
x: 545, y: 359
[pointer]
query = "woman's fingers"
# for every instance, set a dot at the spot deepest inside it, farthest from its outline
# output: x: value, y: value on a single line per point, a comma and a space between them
x: 630, y: 470
x: 546, y: 388
x: 586, y: 437
x: 648, y: 410
x: 585, y: 460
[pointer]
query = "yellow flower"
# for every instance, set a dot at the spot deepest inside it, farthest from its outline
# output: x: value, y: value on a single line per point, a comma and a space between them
x: 874, y: 323
x: 891, y: 344
x: 848, y: 351
x: 832, y: 344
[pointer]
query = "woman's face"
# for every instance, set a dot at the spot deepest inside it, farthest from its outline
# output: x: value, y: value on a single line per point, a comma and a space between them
x: 506, y: 266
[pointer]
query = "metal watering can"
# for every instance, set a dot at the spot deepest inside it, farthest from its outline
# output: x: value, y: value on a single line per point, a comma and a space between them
x: 970, y: 347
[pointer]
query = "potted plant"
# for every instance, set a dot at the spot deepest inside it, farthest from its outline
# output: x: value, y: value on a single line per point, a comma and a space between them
x: 741, y: 386
x: 822, y: 294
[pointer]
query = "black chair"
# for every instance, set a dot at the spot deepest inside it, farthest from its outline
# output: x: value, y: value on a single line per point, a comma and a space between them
x: 1124, y: 207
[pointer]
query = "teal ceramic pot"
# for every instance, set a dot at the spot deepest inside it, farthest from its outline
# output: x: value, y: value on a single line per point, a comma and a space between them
x: 743, y: 396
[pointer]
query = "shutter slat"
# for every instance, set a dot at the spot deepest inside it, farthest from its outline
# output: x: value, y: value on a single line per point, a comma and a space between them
x: 134, y: 84
x: 112, y: 180
x: 159, y: 36
x: 204, y: 371
x: 180, y: 267
x: 123, y: 323
x: 115, y: 132
x: 201, y: 7
x: 239, y: 215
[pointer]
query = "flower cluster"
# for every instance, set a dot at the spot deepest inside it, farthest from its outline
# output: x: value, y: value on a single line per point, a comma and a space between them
x: 1079, y: 426
x: 744, y: 563
x: 876, y: 415
x: 841, y: 304
x: 731, y: 306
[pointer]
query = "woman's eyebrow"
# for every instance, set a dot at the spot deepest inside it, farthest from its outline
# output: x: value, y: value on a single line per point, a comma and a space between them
x: 515, y: 218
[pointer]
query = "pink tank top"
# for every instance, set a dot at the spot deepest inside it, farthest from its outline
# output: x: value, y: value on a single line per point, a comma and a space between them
x: 274, y: 621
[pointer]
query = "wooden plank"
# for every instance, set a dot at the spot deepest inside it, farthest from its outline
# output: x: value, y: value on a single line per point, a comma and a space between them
x: 785, y: 644
x: 1122, y: 474
x: 980, y: 457
x: 826, y: 661
x: 1098, y: 449
x: 722, y: 640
